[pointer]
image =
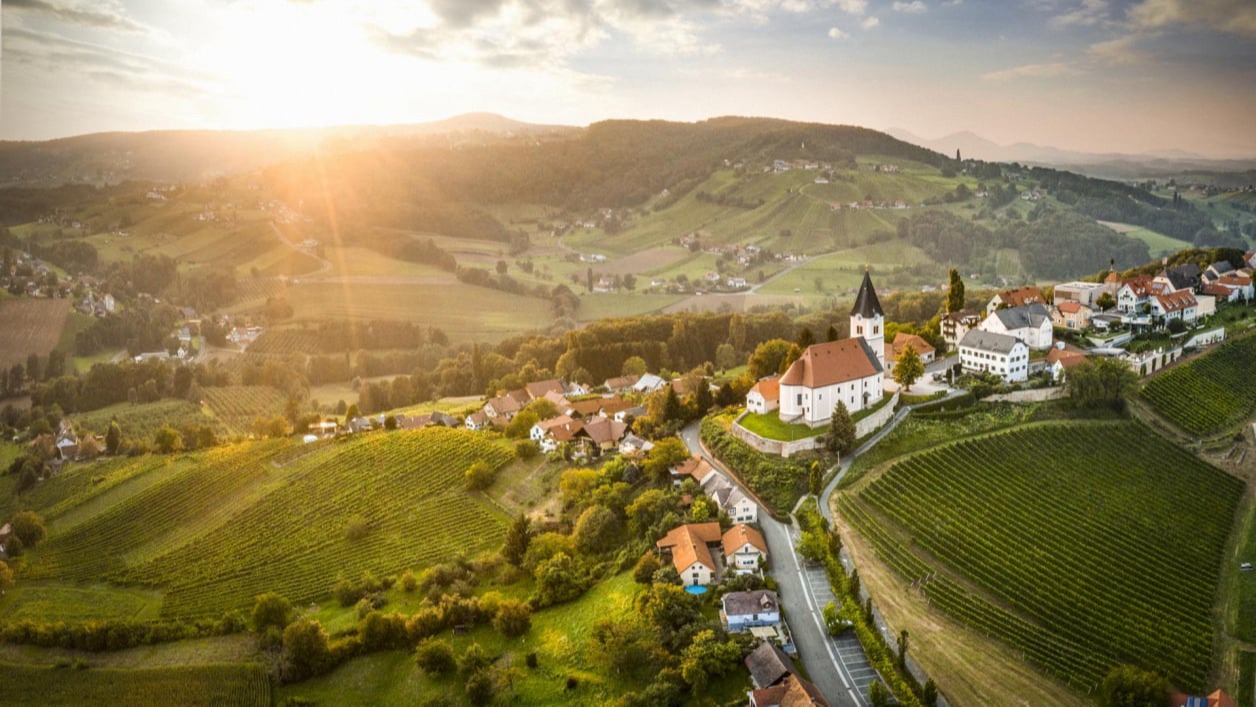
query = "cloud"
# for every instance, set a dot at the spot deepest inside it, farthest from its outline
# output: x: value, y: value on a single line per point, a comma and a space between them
x: 1118, y: 51
x: 1031, y: 71
x: 835, y: 33
x: 98, y: 17
x: 870, y: 23
x: 915, y: 7
x: 1089, y: 13
x: 852, y: 7
x: 1232, y: 16
x: 952, y: 3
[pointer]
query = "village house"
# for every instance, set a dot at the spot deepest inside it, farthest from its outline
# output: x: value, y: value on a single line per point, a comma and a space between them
x: 648, y: 383
x: 603, y: 434
x: 901, y: 341
x: 1239, y: 284
x: 792, y: 691
x: 956, y: 324
x: 1174, y: 305
x: 744, y: 549
x: 621, y: 384
x: 768, y: 665
x: 742, y: 611
x: 634, y: 446
x: 1071, y: 314
x: 628, y: 413
x: 506, y: 405
x: 478, y: 420
x: 1085, y: 293
x: 1215, y: 271
x: 690, y: 552
x: 1015, y: 298
x: 1219, y: 292
x: 541, y: 432
x: 989, y: 352
x: 1031, y: 323
x: 850, y: 370
x: 695, y: 467
x: 1134, y: 295
x: 1186, y: 277
x: 732, y: 501
x: 1059, y: 360
x: 764, y: 396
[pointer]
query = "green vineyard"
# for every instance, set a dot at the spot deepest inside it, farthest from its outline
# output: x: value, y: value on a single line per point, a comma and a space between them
x: 1210, y: 393
x: 171, y: 685
x: 237, y: 406
x: 224, y: 525
x: 1090, y: 556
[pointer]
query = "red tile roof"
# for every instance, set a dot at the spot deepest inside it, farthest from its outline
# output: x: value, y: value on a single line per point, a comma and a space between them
x: 832, y: 363
x: 1021, y: 297
x: 688, y: 544
x: 1176, y: 301
x: 769, y: 388
x: 740, y: 534
x: 902, y: 340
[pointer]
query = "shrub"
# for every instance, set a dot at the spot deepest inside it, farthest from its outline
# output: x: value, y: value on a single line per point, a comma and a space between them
x: 480, y: 688
x: 514, y: 618
x: 271, y: 611
x: 435, y: 657
x: 526, y: 449
x: 473, y: 660
x: 408, y: 581
x: 305, y: 649
x: 28, y: 527
x: 479, y: 476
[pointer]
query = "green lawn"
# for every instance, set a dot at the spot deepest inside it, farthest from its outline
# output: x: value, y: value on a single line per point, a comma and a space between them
x: 48, y: 602
x: 1157, y: 243
x: 769, y: 425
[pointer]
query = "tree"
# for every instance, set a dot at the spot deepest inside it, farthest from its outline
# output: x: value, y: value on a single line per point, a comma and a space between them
x: 597, y: 530
x: 479, y: 476
x: 514, y: 618
x: 767, y: 357
x: 1176, y: 326
x: 841, y: 439
x: 1129, y: 686
x: 672, y: 611
x: 634, y: 366
x: 805, y: 338
x: 558, y: 579
x: 792, y: 354
x: 6, y: 577
x: 113, y: 437
x: 831, y: 334
x: 167, y: 439
x: 352, y: 412
x: 390, y: 422
x: 878, y: 695
x: 480, y: 688
x: 28, y: 527
x: 435, y: 656
x: 955, y: 292
x: 908, y: 368
x: 815, y: 479
x: 521, y: 424
x: 518, y: 536
x: 643, y: 571
x: 666, y: 453
x: 305, y: 649
x: 271, y: 611
x: 707, y: 657
x: 1100, y: 382
x: 33, y: 367
x: 725, y: 357
x: 811, y: 546
x: 502, y: 267
x: 1105, y: 301
x: 702, y: 397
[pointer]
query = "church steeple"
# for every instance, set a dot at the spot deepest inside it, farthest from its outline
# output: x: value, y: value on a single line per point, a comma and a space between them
x: 867, y: 319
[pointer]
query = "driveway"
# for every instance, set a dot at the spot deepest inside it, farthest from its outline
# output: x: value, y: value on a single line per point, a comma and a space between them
x: 838, y: 667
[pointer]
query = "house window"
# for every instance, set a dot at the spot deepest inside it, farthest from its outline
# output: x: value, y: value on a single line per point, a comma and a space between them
x: 800, y: 398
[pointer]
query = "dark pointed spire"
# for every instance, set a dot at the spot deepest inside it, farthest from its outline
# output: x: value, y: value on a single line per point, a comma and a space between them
x: 866, y: 303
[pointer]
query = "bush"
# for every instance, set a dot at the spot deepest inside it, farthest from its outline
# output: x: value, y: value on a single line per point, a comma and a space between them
x: 435, y: 657
x: 348, y: 591
x: 473, y: 660
x: 480, y: 688
x: 514, y: 618
x: 271, y: 611
x: 28, y: 527
x: 305, y: 650
x: 408, y: 582
x: 526, y: 449
x: 479, y: 476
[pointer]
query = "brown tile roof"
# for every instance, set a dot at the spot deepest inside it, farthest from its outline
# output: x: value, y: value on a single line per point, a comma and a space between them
x: 1140, y: 284
x: 585, y: 408
x: 540, y: 388
x: 1175, y: 301
x: 697, y: 467
x: 560, y: 421
x: 962, y: 315
x: 621, y: 382
x: 1069, y: 306
x: 793, y: 691
x: 1235, y: 280
x: 688, y: 544
x: 768, y: 665
x: 604, y: 430
x: 739, y: 535
x: 769, y: 388
x: 1066, y: 358
x: 901, y: 341
x: 1021, y: 297
x: 832, y: 363
x: 1218, y: 290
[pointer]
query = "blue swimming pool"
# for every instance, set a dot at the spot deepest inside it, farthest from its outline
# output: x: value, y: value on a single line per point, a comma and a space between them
x: 696, y: 589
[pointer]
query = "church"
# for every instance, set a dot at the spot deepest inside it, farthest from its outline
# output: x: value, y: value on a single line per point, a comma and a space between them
x: 851, y: 370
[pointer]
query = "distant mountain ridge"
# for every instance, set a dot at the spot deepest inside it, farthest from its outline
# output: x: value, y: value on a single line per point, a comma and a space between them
x: 1115, y: 165
x: 190, y: 155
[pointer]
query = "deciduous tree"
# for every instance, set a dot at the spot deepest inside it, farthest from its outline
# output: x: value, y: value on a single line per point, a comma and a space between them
x: 908, y: 368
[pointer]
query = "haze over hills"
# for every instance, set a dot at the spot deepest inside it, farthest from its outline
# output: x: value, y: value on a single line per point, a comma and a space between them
x: 1112, y: 165
x: 189, y: 155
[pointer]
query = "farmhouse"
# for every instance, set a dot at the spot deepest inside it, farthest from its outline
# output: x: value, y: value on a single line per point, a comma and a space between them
x: 849, y: 370
x: 634, y: 446
x: 1071, y: 314
x: 732, y: 501
x: 695, y: 468
x: 621, y: 384
x: 543, y: 432
x: 690, y: 555
x: 769, y: 665
x: 1060, y: 360
x: 648, y: 383
x: 742, y: 611
x: 764, y: 396
x: 902, y: 341
x: 1031, y: 323
x: 744, y: 549
x: 990, y: 352
x: 793, y: 691
x: 1216, y: 271
x: 956, y: 324
x: 1015, y: 298
x: 1174, y: 305
x: 1241, y: 284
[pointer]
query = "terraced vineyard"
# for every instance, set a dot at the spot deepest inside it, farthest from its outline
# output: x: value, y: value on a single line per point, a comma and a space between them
x: 407, y: 485
x: 1210, y: 393
x: 140, y: 421
x: 237, y: 406
x: 1082, y: 555
x: 181, y: 685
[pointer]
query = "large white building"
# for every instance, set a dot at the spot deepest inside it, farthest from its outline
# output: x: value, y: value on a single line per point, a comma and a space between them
x: 1030, y: 323
x: 990, y: 352
x: 850, y: 371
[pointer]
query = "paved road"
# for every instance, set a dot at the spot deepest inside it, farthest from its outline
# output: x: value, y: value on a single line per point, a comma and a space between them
x: 838, y: 667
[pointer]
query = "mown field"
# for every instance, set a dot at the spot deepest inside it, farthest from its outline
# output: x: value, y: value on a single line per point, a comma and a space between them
x: 242, y: 684
x: 140, y: 420
x: 1158, y: 243
x: 1058, y: 541
x: 30, y: 326
x: 215, y: 528
x: 1211, y: 393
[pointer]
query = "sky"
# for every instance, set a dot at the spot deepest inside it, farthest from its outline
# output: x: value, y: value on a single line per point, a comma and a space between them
x: 1093, y: 75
